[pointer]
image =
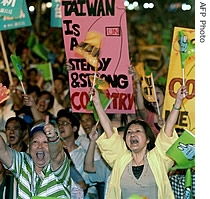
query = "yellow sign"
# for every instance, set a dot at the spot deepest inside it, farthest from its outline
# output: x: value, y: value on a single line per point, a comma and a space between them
x: 182, y: 71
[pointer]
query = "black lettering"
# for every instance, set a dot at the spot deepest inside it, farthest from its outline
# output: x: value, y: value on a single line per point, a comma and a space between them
x: 74, y: 83
x: 73, y: 43
x: 182, y: 118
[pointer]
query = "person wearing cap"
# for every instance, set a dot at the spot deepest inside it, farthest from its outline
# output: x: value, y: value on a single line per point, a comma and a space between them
x: 45, y: 171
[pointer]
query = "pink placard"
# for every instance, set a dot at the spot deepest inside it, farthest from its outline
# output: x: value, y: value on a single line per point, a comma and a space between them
x: 108, y: 18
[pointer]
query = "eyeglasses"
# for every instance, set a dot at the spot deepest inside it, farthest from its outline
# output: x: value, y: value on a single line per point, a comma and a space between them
x: 63, y: 123
x: 15, y: 128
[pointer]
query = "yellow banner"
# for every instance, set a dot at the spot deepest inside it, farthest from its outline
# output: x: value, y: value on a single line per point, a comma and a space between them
x: 177, y: 75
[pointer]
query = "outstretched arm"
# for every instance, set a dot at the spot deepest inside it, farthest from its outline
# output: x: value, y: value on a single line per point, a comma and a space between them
x: 173, y: 116
x: 103, y: 118
x: 89, y: 157
x: 29, y: 101
x: 5, y: 153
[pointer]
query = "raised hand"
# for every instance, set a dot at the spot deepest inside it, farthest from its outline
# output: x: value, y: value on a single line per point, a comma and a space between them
x: 4, y: 93
x: 93, y: 135
x: 28, y: 100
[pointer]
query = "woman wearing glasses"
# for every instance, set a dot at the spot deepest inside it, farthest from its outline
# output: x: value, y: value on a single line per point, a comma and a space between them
x: 68, y: 125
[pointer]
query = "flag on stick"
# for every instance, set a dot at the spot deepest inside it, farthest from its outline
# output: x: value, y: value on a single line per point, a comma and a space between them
x: 40, y: 50
x: 90, y: 48
x: 105, y: 101
x: 147, y: 88
x: 187, y: 50
x: 154, y: 92
x: 45, y: 70
x: 16, y: 61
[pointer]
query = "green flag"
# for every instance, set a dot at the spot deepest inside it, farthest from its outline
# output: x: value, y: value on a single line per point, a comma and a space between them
x: 31, y: 40
x: 16, y: 61
x: 45, y: 70
x: 105, y: 101
x: 187, y: 48
x: 40, y: 50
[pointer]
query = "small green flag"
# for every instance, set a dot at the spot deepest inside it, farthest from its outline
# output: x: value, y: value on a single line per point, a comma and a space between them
x: 45, y: 70
x: 187, y: 48
x: 31, y: 40
x: 16, y: 61
x: 105, y: 101
x: 41, y: 51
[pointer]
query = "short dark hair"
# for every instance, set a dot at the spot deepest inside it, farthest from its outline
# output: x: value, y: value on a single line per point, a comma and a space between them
x: 23, y: 124
x: 148, y: 131
x: 71, y: 117
x: 31, y: 70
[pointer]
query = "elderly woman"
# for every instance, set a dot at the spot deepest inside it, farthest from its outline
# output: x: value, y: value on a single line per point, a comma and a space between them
x: 43, y: 172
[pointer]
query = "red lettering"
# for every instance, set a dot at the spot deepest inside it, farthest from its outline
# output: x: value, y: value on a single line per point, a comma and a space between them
x: 73, y: 100
x: 121, y: 101
x: 190, y: 84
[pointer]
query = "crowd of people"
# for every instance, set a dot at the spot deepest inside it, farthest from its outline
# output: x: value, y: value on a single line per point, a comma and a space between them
x: 48, y: 150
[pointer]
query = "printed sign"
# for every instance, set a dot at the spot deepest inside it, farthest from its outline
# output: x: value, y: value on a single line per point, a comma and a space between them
x: 23, y: 19
x: 55, y: 19
x: 83, y: 24
x: 182, y: 69
x: 11, y: 8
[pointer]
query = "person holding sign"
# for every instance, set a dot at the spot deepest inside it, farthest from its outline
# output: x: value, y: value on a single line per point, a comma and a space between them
x: 151, y: 112
x: 139, y: 162
x: 46, y: 171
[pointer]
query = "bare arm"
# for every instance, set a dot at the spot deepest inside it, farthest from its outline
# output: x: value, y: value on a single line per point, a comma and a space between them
x: 55, y: 146
x: 29, y: 101
x: 103, y: 118
x: 5, y: 153
x: 173, y: 116
x: 89, y: 157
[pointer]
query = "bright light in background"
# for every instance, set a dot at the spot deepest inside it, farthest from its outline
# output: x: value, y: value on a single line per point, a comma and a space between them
x: 49, y: 4
x: 31, y: 8
x: 175, y: 6
x: 135, y: 4
x: 186, y: 6
x: 131, y: 6
x: 148, y: 5
x: 126, y: 3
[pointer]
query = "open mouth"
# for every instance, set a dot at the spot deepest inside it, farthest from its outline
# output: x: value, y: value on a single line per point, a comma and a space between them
x: 11, y: 137
x: 40, y: 155
x: 134, y: 141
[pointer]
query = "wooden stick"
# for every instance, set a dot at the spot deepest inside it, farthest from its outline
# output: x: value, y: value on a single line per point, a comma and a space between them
x: 5, y: 59
x: 153, y: 85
